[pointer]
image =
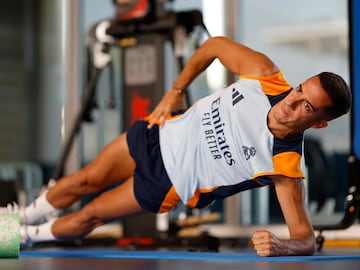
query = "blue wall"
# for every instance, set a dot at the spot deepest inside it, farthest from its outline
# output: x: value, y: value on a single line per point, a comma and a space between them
x: 355, y: 74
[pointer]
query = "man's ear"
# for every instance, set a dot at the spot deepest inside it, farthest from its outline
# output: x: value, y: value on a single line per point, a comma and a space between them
x: 321, y: 124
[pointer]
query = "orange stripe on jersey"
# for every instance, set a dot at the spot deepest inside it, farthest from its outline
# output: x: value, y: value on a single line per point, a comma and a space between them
x: 287, y: 164
x: 171, y: 200
x: 272, y: 85
x: 195, y: 198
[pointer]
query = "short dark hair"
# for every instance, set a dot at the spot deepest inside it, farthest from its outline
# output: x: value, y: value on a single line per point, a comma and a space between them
x: 338, y: 91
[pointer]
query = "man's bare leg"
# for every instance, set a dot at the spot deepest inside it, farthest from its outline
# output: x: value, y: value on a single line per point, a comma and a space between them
x: 112, y: 204
x: 115, y: 203
x: 113, y: 164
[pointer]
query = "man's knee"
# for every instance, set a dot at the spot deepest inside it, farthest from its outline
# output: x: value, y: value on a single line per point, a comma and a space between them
x: 89, y: 215
x: 85, y: 183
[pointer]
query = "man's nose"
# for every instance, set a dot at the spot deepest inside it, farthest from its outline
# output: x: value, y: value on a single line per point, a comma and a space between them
x: 293, y: 102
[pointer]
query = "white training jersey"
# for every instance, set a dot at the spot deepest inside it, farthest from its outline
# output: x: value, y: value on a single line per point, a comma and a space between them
x: 223, y: 139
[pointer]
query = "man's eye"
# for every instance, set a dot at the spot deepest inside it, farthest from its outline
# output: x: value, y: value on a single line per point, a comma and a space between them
x: 308, y: 107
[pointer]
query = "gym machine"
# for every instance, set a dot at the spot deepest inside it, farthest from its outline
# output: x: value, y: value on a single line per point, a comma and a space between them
x: 140, y: 29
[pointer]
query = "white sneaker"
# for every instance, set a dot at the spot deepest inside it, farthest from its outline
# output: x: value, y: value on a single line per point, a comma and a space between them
x: 31, y: 234
x: 33, y: 214
x: 14, y: 208
x: 24, y: 238
x: 11, y: 208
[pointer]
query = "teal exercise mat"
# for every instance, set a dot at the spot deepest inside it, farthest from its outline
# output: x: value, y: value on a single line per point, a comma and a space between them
x: 180, y: 255
x: 9, y: 235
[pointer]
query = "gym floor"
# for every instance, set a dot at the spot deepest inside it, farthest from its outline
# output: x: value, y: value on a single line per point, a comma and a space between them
x: 107, y: 249
x: 91, y: 258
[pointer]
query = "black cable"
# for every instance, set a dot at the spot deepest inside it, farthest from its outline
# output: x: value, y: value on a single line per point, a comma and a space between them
x: 90, y: 89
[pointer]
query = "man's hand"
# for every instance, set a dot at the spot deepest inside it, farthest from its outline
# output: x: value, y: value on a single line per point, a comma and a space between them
x: 267, y: 244
x: 170, y: 102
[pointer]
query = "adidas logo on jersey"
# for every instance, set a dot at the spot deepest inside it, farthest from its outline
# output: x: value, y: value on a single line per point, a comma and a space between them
x: 236, y: 96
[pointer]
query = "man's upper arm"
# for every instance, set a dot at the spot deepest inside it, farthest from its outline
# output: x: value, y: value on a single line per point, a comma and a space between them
x: 242, y: 60
x: 235, y: 57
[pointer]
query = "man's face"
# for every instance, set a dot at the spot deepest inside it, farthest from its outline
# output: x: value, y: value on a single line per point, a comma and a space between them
x: 304, y: 107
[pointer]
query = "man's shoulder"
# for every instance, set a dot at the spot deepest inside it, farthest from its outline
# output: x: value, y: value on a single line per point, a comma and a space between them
x: 273, y: 85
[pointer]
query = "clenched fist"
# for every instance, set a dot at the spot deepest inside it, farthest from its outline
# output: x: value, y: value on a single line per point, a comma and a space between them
x: 267, y: 244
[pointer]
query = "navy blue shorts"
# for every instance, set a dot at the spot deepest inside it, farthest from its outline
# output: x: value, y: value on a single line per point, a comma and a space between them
x: 151, y: 181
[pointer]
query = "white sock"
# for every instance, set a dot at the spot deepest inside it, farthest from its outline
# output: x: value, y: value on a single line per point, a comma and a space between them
x: 37, y: 233
x: 37, y: 209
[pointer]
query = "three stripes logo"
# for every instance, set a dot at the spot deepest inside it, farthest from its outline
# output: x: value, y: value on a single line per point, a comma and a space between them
x: 236, y: 96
